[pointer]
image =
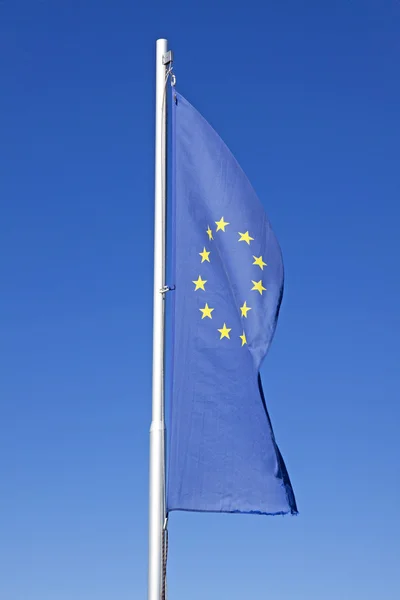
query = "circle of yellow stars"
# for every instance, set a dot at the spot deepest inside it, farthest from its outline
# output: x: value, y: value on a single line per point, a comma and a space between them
x: 200, y: 283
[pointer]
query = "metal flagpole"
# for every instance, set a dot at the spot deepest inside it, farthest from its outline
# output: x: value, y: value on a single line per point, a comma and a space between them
x: 157, y: 453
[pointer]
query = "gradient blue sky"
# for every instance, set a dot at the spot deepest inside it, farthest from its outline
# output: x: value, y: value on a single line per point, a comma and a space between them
x: 307, y: 96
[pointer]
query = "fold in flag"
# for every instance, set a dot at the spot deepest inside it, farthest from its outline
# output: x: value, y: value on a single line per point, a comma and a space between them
x: 223, y: 456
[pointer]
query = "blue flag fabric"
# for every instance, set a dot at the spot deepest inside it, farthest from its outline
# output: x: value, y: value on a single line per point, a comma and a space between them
x: 223, y: 456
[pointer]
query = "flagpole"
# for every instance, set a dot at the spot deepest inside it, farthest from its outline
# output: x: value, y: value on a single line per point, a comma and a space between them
x: 157, y: 429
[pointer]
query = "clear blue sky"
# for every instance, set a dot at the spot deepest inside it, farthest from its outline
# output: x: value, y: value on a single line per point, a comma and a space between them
x: 307, y: 96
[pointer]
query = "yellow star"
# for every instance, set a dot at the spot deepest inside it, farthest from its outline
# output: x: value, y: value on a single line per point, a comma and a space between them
x: 258, y: 286
x: 243, y: 338
x: 245, y: 237
x: 259, y: 261
x: 224, y: 332
x: 206, y: 311
x: 204, y: 255
x: 221, y: 224
x: 200, y: 284
x: 210, y: 235
x: 245, y: 309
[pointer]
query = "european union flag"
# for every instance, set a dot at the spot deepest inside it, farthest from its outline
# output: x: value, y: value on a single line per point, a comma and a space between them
x: 223, y: 455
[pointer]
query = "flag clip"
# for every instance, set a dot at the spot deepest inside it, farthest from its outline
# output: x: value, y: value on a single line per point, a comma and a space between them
x: 166, y: 289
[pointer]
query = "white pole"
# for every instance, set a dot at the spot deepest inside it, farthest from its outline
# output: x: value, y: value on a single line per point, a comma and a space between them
x: 157, y: 456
